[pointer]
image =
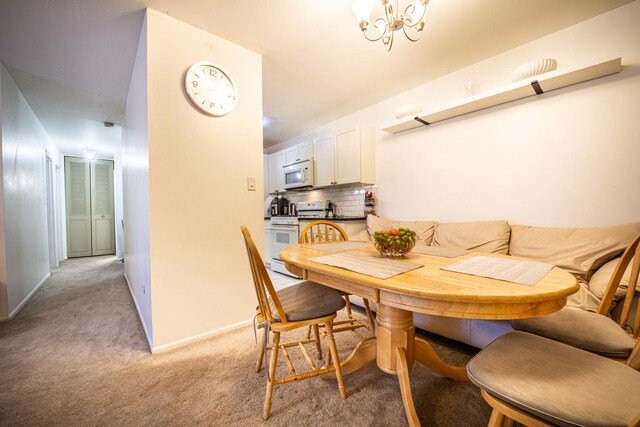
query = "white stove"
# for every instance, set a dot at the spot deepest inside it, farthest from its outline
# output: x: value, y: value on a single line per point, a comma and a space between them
x: 315, y: 209
x: 285, y: 231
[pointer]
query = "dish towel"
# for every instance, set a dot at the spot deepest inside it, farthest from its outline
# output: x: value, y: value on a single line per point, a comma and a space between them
x: 511, y: 270
x: 371, y: 265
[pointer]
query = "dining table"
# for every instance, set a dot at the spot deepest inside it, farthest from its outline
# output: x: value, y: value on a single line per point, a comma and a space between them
x: 426, y: 289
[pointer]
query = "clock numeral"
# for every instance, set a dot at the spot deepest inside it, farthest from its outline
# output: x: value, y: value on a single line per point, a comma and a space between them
x: 212, y: 105
x: 194, y: 84
x: 213, y: 72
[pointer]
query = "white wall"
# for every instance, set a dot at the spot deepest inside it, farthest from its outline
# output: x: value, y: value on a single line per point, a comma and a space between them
x: 198, y: 169
x: 135, y: 183
x: 24, y: 235
x: 565, y: 158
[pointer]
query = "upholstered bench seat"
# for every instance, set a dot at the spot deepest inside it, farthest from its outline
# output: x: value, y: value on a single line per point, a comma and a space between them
x: 556, y: 382
x: 307, y: 300
x: 586, y: 330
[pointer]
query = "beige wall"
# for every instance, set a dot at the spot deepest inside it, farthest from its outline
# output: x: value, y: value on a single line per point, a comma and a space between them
x: 566, y: 158
x: 198, y: 166
x: 135, y: 186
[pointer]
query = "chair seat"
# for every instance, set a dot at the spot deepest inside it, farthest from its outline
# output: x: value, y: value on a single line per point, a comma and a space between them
x: 557, y: 382
x: 307, y: 300
x: 583, y: 329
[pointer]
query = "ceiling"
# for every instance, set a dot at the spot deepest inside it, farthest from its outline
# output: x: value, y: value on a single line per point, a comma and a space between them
x: 72, y: 59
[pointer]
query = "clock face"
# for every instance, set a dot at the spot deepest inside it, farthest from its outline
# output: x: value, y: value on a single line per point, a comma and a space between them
x: 210, y: 89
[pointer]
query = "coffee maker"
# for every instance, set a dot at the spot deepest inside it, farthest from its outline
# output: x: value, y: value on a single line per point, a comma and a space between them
x: 279, y: 206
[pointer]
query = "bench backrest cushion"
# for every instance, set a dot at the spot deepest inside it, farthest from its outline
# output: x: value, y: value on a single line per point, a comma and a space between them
x: 483, y: 236
x: 581, y: 251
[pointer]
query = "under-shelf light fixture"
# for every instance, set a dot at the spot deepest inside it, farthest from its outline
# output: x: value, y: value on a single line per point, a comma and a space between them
x: 411, y: 21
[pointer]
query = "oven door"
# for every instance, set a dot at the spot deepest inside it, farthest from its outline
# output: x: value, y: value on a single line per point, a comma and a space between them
x: 281, y: 237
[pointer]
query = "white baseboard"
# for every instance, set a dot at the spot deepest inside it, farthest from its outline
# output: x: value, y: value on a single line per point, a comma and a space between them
x: 144, y: 326
x: 184, y: 341
x: 28, y: 297
x: 189, y: 340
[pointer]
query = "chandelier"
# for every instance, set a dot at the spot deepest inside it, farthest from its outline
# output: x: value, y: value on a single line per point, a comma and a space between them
x: 411, y: 21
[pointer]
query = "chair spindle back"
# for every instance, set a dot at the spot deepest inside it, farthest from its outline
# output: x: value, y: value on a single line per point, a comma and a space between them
x: 322, y: 231
x: 261, y: 280
x: 631, y: 254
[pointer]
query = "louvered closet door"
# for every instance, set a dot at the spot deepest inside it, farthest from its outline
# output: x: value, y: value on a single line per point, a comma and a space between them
x: 102, y: 226
x: 78, y: 202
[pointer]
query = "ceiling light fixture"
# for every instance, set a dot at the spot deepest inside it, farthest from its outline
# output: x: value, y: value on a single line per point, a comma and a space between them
x: 90, y: 153
x: 411, y: 21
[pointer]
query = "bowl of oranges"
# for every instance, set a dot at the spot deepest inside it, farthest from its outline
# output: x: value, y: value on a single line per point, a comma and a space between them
x: 394, y: 242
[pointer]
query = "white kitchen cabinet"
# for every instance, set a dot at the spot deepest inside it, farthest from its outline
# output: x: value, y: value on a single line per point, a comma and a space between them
x: 273, y: 175
x: 324, y: 168
x: 303, y: 151
x: 346, y: 157
x: 281, y: 160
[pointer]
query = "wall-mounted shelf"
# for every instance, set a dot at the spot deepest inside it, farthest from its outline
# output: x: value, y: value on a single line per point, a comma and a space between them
x: 518, y: 90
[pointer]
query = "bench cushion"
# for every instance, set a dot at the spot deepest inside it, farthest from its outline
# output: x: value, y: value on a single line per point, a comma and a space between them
x: 556, y: 382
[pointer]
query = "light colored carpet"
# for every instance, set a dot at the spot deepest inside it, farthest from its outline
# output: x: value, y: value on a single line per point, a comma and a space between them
x: 76, y: 355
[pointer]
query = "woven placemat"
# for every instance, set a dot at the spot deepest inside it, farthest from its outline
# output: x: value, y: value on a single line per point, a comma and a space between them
x: 338, y: 246
x: 371, y: 265
x: 511, y: 270
x: 440, y: 252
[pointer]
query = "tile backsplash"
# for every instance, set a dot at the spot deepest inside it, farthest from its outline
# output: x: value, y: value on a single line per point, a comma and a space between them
x: 349, y: 199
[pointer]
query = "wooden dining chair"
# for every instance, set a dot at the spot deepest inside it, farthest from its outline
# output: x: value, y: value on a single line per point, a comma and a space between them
x: 324, y: 231
x: 537, y: 382
x: 595, y: 332
x: 304, y: 304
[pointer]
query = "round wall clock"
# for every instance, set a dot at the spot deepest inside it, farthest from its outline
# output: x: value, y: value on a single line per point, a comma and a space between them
x: 210, y: 88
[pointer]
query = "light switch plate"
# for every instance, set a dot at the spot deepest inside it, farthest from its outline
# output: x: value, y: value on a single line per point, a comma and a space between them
x: 251, y: 183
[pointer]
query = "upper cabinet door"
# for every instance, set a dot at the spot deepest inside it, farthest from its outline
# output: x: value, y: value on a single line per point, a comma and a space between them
x: 273, y: 173
x: 305, y: 151
x: 291, y: 155
x: 347, y: 156
x: 299, y: 152
x: 323, y: 153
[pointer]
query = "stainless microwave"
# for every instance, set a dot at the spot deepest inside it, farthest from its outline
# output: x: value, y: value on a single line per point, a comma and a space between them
x: 298, y: 175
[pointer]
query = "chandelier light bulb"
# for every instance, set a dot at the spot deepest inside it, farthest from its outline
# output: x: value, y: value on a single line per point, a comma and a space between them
x: 362, y: 9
